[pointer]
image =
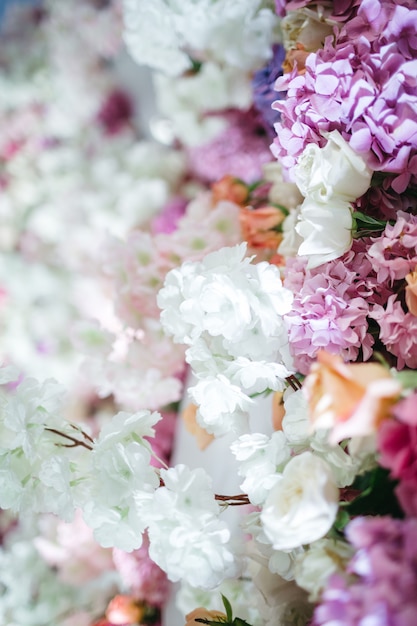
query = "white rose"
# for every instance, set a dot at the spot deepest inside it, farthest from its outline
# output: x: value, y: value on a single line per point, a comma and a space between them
x: 314, y: 567
x: 335, y: 171
x: 326, y: 230
x: 302, y: 506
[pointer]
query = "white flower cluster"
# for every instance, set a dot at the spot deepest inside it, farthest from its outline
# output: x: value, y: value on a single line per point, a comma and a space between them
x: 121, y: 481
x: 188, y: 541
x: 36, y: 473
x: 166, y: 34
x: 47, y: 465
x: 229, y: 311
x: 330, y: 178
x: 189, y: 101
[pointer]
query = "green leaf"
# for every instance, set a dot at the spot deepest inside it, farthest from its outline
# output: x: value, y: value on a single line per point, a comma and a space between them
x: 227, y: 608
x: 377, y: 495
x: 407, y: 378
x: 367, y: 219
x: 240, y: 622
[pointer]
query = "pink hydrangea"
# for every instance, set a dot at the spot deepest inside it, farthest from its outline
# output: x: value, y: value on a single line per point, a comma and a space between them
x: 394, y: 254
x: 398, y: 332
x: 327, y: 313
x: 240, y: 150
x: 363, y: 86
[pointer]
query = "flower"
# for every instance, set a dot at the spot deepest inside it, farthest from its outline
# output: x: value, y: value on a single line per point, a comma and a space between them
x: 326, y: 230
x: 333, y: 172
x: 191, y: 543
x: 260, y: 458
x: 124, y: 610
x: 385, y: 559
x: 260, y: 226
x: 411, y: 292
x: 164, y: 35
x: 350, y: 399
x: 302, y: 506
x: 202, y: 613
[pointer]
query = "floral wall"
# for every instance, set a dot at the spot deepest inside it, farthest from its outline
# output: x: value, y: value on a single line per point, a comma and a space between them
x: 208, y: 312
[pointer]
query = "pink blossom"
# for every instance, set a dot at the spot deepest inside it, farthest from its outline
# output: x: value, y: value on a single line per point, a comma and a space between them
x: 327, y: 313
x: 240, y: 150
x: 398, y: 332
x: 167, y: 220
x: 146, y: 581
x: 394, y: 254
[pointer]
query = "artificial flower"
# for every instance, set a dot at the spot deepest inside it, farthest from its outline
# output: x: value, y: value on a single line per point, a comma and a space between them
x: 302, y: 506
x: 350, y: 399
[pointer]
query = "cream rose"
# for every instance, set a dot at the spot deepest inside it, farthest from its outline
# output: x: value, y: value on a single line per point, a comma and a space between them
x: 325, y: 230
x: 335, y: 171
x: 302, y: 506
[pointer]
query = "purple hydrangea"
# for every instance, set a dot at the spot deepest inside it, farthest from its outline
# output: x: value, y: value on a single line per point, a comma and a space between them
x: 382, y: 587
x: 264, y: 95
x: 363, y: 85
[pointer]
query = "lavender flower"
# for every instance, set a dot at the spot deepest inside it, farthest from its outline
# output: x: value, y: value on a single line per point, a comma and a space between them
x: 263, y: 89
x: 384, y: 586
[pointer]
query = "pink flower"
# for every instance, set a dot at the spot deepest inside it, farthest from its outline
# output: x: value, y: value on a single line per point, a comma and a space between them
x: 394, y: 254
x: 145, y: 580
x: 328, y: 313
x: 397, y: 444
x: 398, y: 332
x: 240, y: 151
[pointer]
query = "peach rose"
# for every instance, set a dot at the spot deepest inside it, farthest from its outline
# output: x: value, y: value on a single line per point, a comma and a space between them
x: 203, y: 438
x: 125, y: 610
x: 202, y: 613
x: 259, y: 226
x: 230, y: 188
x: 350, y: 399
x: 411, y: 292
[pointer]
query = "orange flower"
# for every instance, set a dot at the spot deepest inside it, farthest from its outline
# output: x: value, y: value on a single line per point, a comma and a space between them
x: 351, y: 399
x: 230, y: 188
x: 258, y: 226
x: 411, y: 292
x: 203, y: 438
x: 202, y: 613
x: 125, y: 610
x: 297, y: 56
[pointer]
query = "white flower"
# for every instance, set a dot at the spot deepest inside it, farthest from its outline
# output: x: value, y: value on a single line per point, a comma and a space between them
x: 333, y: 172
x: 326, y: 230
x: 119, y: 488
x: 125, y: 427
x: 8, y: 374
x: 323, y: 558
x: 164, y: 34
x: 296, y: 424
x: 186, y: 100
x: 189, y: 543
x: 302, y: 506
x: 260, y: 458
x: 291, y: 240
x: 222, y: 405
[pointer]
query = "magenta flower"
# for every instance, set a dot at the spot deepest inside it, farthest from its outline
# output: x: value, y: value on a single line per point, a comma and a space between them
x: 397, y: 445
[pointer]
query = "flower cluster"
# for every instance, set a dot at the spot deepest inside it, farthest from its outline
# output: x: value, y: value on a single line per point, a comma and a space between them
x: 230, y: 313
x: 149, y: 225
